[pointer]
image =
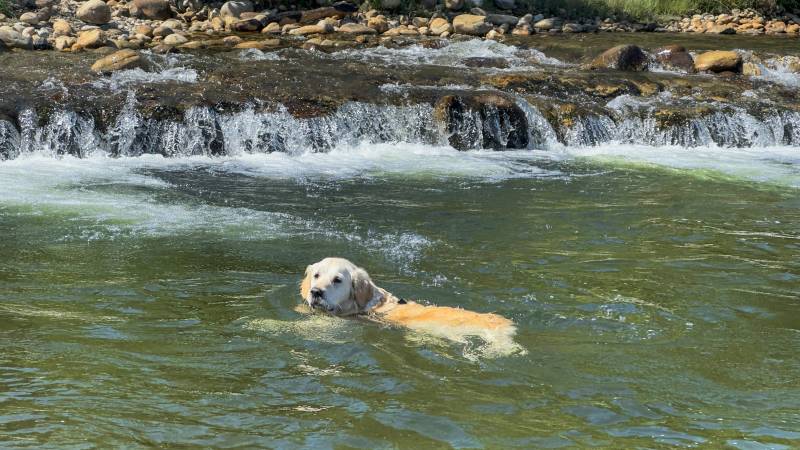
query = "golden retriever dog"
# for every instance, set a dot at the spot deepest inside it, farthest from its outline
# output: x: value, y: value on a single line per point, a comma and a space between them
x: 337, y: 286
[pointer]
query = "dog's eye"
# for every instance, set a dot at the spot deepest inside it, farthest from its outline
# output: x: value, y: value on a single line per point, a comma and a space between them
x: 337, y: 280
x: 316, y: 275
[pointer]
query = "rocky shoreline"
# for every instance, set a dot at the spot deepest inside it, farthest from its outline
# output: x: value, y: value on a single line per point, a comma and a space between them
x: 69, y: 25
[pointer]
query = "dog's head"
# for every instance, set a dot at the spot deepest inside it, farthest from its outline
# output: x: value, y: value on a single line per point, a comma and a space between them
x: 337, y: 286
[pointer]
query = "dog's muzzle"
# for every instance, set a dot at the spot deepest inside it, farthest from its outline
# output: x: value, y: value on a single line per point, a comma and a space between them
x: 317, y: 299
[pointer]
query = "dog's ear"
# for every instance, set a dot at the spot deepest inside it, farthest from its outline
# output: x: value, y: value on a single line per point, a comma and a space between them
x: 305, y: 285
x: 363, y: 290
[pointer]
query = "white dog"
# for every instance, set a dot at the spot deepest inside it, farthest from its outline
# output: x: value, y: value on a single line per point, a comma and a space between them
x: 339, y: 287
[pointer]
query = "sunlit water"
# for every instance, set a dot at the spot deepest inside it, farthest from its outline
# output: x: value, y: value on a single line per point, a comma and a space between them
x: 150, y: 301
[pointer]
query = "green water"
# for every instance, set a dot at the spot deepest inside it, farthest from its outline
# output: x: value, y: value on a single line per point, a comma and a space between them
x: 152, y: 305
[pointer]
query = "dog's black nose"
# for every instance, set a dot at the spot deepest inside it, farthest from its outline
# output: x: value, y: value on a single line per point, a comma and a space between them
x: 316, y: 293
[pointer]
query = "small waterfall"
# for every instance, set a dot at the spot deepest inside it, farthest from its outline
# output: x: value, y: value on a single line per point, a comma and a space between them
x: 513, y: 125
x: 729, y: 127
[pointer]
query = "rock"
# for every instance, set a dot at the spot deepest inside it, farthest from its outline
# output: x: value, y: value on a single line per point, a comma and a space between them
x: 14, y: 39
x: 718, y: 61
x: 721, y: 29
x: 245, y: 25
x: 454, y: 5
x: 272, y: 28
x: 95, y: 12
x: 64, y: 43
x: 153, y: 9
x: 546, y: 24
x: 502, y: 19
x: 621, y: 57
x: 482, y: 121
x: 438, y: 26
x: 471, y: 24
x: 751, y: 69
x: 493, y: 35
x: 338, y: 10
x: 572, y: 28
x: 355, y: 28
x: 123, y: 59
x: 675, y: 57
x: 260, y: 45
x: 309, y: 29
x: 95, y: 38
x: 162, y: 31
x: 61, y: 28
x: 486, y: 62
x: 235, y: 8
x: 505, y: 4
x: 175, y: 39
x: 30, y: 18
x: 232, y: 41
x: 379, y: 23
x: 144, y: 30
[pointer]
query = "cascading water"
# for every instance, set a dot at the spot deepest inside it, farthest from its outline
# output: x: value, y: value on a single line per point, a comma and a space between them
x: 204, y: 131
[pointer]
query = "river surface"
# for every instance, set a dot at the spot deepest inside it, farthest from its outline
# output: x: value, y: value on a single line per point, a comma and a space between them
x: 150, y: 301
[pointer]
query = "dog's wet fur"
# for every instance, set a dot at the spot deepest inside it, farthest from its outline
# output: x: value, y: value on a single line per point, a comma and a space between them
x: 337, y: 286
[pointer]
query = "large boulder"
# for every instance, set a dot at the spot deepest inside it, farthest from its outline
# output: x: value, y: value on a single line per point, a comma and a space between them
x: 95, y: 12
x: 471, y: 24
x: 235, y: 8
x: 482, y: 121
x: 123, y: 59
x: 622, y: 57
x: 14, y: 39
x: 674, y: 57
x: 153, y: 9
x: 718, y: 61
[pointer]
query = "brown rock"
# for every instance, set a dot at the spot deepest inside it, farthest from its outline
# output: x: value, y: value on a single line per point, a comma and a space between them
x: 439, y: 25
x: 153, y: 9
x: 95, y: 12
x: 61, y: 28
x: 308, y: 29
x: 622, y: 57
x: 355, y: 28
x: 91, y: 39
x: 267, y: 43
x: 378, y: 23
x: 674, y: 57
x: 718, y: 61
x: 123, y: 59
x: 244, y: 25
x: 272, y: 28
x: 471, y: 24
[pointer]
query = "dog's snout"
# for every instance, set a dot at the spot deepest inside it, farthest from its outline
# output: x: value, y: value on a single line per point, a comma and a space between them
x: 317, y: 292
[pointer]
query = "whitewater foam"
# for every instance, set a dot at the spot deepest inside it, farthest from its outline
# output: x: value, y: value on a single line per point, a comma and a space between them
x: 452, y: 54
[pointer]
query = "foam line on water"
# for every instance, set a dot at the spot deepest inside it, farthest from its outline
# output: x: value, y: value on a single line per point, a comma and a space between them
x: 774, y: 165
x: 452, y: 54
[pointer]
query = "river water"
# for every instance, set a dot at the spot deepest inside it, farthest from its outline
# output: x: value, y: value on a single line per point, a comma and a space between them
x: 150, y: 301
